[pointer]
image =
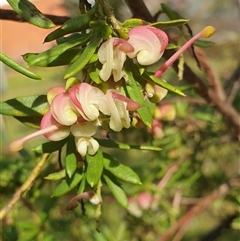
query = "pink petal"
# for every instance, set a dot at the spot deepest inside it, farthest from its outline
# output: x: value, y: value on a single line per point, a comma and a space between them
x: 53, y: 92
x: 131, y: 105
x: 58, y: 133
x: 149, y: 44
x: 63, y: 109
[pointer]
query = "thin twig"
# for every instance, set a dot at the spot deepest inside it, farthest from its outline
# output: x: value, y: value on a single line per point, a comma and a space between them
x: 199, y: 208
x: 25, y: 187
x: 209, y: 93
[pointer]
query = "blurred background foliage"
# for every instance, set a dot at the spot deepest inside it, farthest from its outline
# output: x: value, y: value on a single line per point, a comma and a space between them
x: 200, y: 153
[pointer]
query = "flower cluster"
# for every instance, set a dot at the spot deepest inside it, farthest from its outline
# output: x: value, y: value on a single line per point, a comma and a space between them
x: 80, y: 109
x: 79, y: 112
x: 145, y: 43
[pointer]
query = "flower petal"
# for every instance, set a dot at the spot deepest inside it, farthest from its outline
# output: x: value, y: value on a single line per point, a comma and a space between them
x: 85, y: 129
x: 59, y: 133
x: 63, y: 109
x: 149, y: 44
x: 86, y: 98
x: 86, y: 145
x: 112, y: 54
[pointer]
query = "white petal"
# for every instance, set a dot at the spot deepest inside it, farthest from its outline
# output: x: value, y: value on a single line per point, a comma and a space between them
x: 92, y: 146
x: 85, y: 129
x: 82, y: 145
x: 105, y: 56
x: 86, y: 145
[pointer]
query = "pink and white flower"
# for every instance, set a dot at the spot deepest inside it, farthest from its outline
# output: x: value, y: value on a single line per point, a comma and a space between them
x: 86, y: 98
x: 83, y: 133
x: 117, y: 106
x: 149, y: 44
x: 112, y: 54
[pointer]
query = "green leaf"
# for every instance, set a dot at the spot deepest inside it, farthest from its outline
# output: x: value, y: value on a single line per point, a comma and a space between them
x: 133, y: 22
x: 86, y: 55
x: 17, y: 67
x: 172, y: 46
x: 33, y: 105
x: 56, y: 175
x: 121, y: 171
x: 94, y: 168
x: 134, y: 90
x: 76, y: 24
x: 68, y: 184
x: 169, y: 12
x: 169, y: 24
x: 29, y: 12
x: 51, y: 55
x: 117, y: 192
x: 112, y: 144
x: 203, y: 43
x: 82, y: 185
x: 71, y: 159
x: 31, y: 121
x: 50, y: 147
x: 165, y: 85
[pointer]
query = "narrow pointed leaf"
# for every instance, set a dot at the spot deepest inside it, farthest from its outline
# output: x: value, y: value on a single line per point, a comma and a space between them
x: 47, y: 57
x: 169, y: 24
x: 82, y: 185
x: 33, y: 105
x: 94, y: 168
x: 134, y: 90
x: 71, y: 159
x: 85, y: 57
x: 68, y: 184
x: 55, y: 176
x: 76, y: 24
x: 165, y: 85
x: 50, y: 147
x: 31, y: 121
x: 17, y: 67
x: 28, y: 11
x: 120, y: 171
x: 169, y: 12
x: 112, y: 144
x: 117, y: 192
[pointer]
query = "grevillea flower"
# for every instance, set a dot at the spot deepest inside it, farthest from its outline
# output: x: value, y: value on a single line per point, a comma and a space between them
x: 86, y: 98
x: 112, y: 54
x: 117, y: 106
x: 83, y: 133
x: 149, y: 44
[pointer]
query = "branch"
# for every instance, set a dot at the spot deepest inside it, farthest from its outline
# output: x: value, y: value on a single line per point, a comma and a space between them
x: 212, y: 94
x: 200, y: 207
x: 139, y: 10
x: 11, y: 15
x: 25, y: 187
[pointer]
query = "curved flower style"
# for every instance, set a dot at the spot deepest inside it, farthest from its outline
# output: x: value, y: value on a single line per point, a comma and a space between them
x: 112, y: 54
x: 86, y: 98
x: 206, y: 33
x: 83, y: 137
x: 50, y: 128
x: 117, y: 106
x: 149, y: 44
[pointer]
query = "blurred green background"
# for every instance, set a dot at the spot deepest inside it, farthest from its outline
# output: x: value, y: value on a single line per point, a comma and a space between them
x: 198, y: 138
